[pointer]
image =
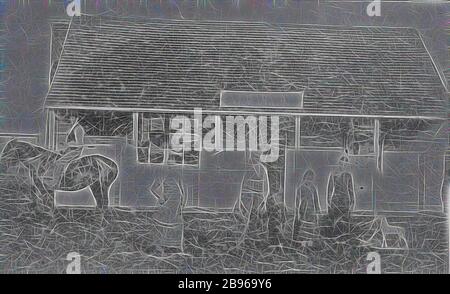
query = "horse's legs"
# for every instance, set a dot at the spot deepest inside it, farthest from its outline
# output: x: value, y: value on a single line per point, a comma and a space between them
x: 402, y: 237
x: 100, y: 194
x: 36, y: 183
x: 34, y: 186
x: 107, y: 173
x: 44, y: 200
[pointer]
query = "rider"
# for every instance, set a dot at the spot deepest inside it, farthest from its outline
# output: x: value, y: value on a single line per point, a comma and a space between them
x: 75, y: 136
x: 74, y: 149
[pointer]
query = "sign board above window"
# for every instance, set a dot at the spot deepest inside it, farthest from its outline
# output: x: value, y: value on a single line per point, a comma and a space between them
x: 261, y: 99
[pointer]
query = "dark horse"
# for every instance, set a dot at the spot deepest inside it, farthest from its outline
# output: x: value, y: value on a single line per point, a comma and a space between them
x: 66, y: 170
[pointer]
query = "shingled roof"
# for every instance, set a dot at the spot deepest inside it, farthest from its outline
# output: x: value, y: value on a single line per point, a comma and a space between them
x: 181, y: 65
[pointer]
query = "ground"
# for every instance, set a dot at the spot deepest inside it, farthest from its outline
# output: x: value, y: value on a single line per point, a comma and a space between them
x: 36, y: 239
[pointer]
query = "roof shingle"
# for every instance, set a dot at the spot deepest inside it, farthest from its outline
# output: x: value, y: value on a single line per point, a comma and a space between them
x: 169, y: 64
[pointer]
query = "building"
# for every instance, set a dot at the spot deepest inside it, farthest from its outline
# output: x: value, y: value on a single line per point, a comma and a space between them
x: 374, y: 91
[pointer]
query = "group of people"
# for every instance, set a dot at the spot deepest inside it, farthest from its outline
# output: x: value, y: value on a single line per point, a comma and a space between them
x: 340, y: 202
x: 256, y: 201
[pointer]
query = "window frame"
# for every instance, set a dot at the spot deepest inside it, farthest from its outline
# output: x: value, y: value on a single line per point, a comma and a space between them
x: 146, y: 132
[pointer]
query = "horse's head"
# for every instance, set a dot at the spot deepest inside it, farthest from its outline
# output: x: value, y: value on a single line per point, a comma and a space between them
x: 8, y: 156
x: 3, y: 165
x: 16, y: 151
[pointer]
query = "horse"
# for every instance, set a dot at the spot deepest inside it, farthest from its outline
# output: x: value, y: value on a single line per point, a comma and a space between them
x: 386, y: 229
x: 65, y: 171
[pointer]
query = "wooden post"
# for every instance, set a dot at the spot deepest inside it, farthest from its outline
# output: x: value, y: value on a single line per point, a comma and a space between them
x: 378, y: 146
x: 135, y: 135
x: 135, y: 128
x: 297, y: 132
x: 51, y: 130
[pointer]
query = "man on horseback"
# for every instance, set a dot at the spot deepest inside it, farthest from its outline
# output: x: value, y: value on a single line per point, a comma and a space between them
x: 65, y: 170
x: 75, y: 145
x: 75, y: 136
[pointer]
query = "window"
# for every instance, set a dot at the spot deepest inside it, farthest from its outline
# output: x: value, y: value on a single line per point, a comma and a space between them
x: 154, y: 143
x: 336, y: 132
x: 362, y: 136
x: 261, y: 99
x: 327, y: 132
x: 408, y: 134
x: 188, y: 155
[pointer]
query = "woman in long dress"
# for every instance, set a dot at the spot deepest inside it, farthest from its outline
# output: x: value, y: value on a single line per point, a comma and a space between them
x: 306, y: 207
x: 341, y: 197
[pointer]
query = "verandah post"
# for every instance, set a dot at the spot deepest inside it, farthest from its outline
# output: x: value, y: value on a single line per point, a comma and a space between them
x: 51, y: 129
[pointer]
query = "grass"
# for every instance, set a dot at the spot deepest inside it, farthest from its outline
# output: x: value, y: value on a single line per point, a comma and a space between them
x: 35, y: 238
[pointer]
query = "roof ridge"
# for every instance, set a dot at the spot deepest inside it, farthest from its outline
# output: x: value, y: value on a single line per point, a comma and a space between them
x: 148, y: 21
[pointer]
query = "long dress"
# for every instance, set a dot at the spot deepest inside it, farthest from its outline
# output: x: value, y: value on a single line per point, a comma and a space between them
x: 341, y: 202
x: 169, y: 214
x: 254, y: 191
x: 342, y: 194
x: 307, y: 207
